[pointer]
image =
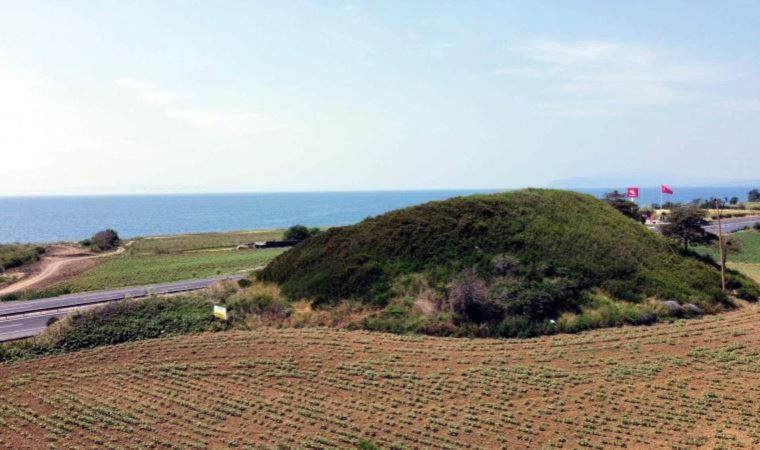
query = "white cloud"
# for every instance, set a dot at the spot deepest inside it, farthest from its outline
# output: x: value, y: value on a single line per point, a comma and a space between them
x: 603, y: 78
x: 571, y: 53
x: 232, y: 122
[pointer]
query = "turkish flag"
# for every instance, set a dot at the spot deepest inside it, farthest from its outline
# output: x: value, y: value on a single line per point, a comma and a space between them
x: 632, y: 192
x: 665, y: 190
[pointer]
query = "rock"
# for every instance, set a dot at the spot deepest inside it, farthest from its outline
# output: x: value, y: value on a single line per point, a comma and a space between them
x: 692, y: 309
x: 673, y: 306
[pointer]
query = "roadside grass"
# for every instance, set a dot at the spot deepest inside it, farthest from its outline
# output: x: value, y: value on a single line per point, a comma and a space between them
x: 148, y: 269
x: 118, y: 322
x: 201, y: 241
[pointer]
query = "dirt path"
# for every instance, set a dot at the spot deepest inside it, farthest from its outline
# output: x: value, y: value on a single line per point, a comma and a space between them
x: 61, y: 264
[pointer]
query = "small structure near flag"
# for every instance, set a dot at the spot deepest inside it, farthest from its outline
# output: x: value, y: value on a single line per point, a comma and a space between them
x: 632, y: 192
x: 220, y: 312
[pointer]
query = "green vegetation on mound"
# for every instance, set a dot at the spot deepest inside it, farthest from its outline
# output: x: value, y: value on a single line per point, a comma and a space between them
x: 505, y: 262
x: 118, y: 322
x: 17, y: 255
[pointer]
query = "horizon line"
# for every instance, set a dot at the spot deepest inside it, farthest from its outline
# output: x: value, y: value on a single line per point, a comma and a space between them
x: 339, y: 191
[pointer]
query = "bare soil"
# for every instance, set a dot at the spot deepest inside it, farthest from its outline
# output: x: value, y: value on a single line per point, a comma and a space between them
x: 687, y: 384
x: 60, y: 262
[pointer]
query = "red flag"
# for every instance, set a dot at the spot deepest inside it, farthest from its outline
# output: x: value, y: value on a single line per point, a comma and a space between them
x: 632, y: 192
x: 665, y: 190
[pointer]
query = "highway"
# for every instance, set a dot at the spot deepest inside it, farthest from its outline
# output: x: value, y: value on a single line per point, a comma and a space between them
x: 733, y: 224
x: 20, y: 319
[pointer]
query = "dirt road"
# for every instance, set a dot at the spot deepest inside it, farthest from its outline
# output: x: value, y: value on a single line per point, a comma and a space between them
x: 60, y: 262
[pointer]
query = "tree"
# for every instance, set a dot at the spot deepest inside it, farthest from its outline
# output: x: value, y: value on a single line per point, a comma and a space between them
x: 105, y: 240
x: 734, y: 200
x: 730, y: 245
x: 297, y: 233
x: 625, y: 206
x: 711, y: 203
x: 754, y: 195
x: 686, y: 224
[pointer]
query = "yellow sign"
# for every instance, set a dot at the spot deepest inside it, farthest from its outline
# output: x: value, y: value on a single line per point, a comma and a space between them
x: 220, y: 312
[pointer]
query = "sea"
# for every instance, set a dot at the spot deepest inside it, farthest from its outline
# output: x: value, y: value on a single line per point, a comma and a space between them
x: 70, y: 218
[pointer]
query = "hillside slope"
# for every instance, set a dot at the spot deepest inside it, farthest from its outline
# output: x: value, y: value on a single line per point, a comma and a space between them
x: 535, y: 253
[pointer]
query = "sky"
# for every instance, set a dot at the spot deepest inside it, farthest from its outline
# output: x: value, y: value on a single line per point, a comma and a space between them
x: 101, y: 97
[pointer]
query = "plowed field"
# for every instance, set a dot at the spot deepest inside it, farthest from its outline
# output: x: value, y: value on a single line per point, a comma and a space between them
x: 688, y: 384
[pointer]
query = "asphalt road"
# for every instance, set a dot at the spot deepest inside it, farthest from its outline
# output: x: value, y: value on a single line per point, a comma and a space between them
x: 23, y: 327
x: 734, y: 224
x: 20, y: 319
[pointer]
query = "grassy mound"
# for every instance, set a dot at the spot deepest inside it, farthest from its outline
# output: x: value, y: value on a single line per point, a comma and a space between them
x: 531, y: 255
x: 17, y: 255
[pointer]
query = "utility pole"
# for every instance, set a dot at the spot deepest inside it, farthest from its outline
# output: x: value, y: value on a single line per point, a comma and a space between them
x: 722, y: 248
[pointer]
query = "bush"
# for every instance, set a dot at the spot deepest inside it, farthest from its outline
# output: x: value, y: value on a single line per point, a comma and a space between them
x: 297, y: 233
x: 748, y: 292
x: 757, y: 226
x: 543, y: 299
x: 468, y: 297
x: 249, y: 303
x: 104, y: 240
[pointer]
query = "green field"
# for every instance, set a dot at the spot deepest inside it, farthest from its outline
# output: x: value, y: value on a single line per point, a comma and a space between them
x: 136, y: 270
x: 748, y: 260
x: 200, y: 241
x: 750, y: 248
x: 164, y: 259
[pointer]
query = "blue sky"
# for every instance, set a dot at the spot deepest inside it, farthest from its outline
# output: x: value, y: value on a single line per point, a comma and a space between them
x: 192, y: 96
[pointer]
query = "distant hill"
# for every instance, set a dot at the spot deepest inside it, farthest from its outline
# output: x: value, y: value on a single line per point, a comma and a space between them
x: 527, y: 255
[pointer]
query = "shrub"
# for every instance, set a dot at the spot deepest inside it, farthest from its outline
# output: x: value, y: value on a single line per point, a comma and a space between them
x: 748, y: 292
x: 365, y: 444
x: 104, y: 240
x: 468, y: 297
x: 258, y: 301
x: 411, y: 284
x: 251, y: 303
x: 757, y: 226
x: 297, y: 233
